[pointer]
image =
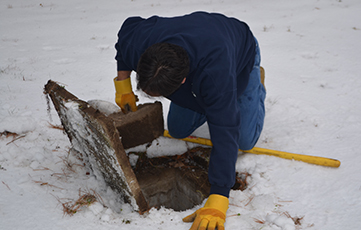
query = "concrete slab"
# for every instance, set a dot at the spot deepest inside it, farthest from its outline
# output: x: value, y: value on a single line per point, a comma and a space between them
x: 140, y: 127
x: 177, y: 182
x: 94, y: 135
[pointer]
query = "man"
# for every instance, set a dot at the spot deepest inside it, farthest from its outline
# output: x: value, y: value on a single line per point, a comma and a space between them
x: 208, y: 65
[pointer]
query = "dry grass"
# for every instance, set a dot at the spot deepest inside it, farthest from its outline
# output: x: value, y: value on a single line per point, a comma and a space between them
x: 241, y: 181
x: 260, y: 221
x: 69, y: 165
x: 86, y: 198
x: 59, y: 127
x: 47, y: 184
x: 9, y: 134
x: 297, y: 220
x: 15, y: 136
x: 6, y: 185
x: 42, y: 168
x: 250, y: 199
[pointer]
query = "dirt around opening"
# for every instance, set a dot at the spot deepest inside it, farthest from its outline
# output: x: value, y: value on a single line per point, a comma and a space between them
x: 177, y: 182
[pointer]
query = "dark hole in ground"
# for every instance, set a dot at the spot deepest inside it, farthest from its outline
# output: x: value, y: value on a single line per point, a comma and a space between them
x: 178, y: 182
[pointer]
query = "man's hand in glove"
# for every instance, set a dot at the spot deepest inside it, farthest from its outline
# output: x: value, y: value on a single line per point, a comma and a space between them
x: 211, y: 216
x: 124, y: 96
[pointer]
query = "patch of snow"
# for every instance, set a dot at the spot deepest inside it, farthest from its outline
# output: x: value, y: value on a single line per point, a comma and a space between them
x: 310, y: 51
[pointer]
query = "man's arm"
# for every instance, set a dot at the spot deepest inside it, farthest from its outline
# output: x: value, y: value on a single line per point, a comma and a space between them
x: 123, y: 74
x: 124, y: 96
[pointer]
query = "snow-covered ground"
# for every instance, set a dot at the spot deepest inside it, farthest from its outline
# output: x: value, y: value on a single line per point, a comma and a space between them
x: 311, y: 53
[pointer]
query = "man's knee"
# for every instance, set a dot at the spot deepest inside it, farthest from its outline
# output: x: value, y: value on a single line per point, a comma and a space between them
x: 246, y: 143
x: 177, y: 131
x: 182, y: 121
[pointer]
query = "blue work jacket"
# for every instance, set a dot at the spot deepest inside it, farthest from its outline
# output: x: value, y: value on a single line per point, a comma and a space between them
x: 221, y: 52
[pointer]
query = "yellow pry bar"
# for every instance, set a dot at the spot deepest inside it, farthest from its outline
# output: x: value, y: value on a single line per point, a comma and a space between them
x: 291, y: 156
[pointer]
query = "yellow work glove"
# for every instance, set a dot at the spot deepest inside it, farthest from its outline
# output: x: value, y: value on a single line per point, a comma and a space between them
x: 124, y: 96
x: 211, y: 216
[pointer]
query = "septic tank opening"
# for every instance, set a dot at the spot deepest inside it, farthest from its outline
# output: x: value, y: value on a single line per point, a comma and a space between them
x: 177, y: 182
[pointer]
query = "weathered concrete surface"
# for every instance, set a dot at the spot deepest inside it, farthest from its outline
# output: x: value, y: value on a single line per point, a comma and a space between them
x: 95, y: 136
x: 140, y: 127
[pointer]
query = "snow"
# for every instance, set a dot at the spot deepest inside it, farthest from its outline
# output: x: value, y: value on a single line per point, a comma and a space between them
x: 310, y: 51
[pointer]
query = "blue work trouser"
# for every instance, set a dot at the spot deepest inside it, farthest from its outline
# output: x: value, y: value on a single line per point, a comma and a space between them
x: 182, y: 121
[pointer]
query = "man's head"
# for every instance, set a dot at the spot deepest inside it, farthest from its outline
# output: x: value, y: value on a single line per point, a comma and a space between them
x: 162, y: 69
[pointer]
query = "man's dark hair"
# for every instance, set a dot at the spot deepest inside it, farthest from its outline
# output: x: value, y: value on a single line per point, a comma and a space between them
x: 162, y: 68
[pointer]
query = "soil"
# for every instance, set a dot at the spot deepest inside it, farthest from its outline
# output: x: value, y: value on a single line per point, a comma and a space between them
x: 177, y: 182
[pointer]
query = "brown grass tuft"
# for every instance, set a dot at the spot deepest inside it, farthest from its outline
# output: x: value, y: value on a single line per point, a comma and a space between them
x: 241, y: 181
x: 86, y: 198
x: 9, y: 134
x: 60, y: 127
x: 15, y: 136
x: 259, y: 221
x: 297, y: 220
